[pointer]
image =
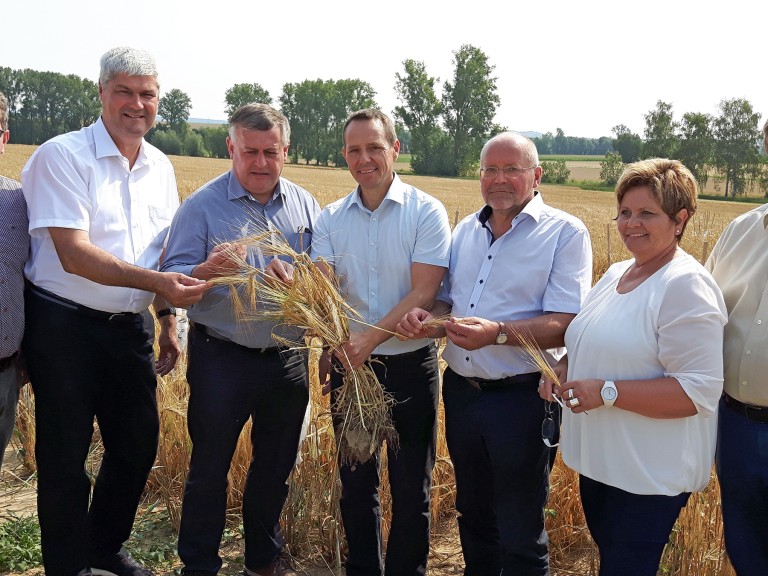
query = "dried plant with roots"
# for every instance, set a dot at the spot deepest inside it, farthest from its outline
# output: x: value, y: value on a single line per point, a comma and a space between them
x: 313, y: 302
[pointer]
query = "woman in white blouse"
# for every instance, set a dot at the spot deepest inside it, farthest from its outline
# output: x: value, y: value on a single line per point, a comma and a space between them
x: 644, y: 375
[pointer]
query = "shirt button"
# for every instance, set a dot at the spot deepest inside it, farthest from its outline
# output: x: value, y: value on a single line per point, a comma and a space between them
x: 744, y: 383
x: 748, y: 352
x: 759, y: 321
x: 471, y: 305
x: 467, y: 358
x: 481, y: 281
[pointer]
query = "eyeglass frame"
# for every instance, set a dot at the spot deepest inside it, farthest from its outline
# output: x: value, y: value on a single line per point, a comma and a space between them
x: 509, y: 171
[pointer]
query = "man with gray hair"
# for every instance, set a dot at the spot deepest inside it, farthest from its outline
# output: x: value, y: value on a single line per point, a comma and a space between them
x: 100, y: 202
x: 237, y: 372
x: 14, y: 248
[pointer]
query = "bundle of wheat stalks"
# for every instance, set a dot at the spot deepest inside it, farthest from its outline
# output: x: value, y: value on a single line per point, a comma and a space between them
x: 312, y: 301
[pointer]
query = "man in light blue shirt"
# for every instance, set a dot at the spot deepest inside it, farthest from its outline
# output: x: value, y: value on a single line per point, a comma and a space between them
x: 236, y: 371
x: 518, y: 267
x: 389, y: 243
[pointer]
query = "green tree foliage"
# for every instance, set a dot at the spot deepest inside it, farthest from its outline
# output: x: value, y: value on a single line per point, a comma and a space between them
x: 627, y: 144
x: 174, y: 108
x: 561, y: 144
x: 469, y: 106
x: 45, y: 104
x: 242, y: 94
x: 736, y: 136
x: 420, y: 114
x: 696, y: 144
x: 215, y: 140
x: 555, y: 172
x: 316, y: 110
x: 661, y: 140
x: 167, y: 141
x: 611, y: 168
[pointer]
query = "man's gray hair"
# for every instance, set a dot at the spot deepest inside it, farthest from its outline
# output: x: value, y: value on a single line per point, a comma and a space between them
x: 258, y: 116
x: 129, y: 61
x: 522, y: 142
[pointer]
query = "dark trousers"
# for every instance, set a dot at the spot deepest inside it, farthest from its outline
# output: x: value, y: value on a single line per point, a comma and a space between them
x: 630, y: 530
x: 413, y: 379
x: 228, y: 384
x: 742, y: 468
x: 80, y: 367
x: 502, y: 475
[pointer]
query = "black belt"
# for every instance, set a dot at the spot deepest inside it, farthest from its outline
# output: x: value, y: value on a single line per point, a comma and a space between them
x: 203, y: 329
x: 7, y: 361
x: 503, y: 383
x: 79, y: 308
x: 753, y: 413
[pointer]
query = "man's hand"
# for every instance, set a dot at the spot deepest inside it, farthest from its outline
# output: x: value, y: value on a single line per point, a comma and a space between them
x: 356, y: 350
x: 168, y: 342
x: 472, y: 333
x: 279, y: 270
x: 180, y: 290
x: 412, y: 326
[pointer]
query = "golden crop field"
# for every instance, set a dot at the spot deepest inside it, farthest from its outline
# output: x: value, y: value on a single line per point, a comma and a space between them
x: 311, y: 519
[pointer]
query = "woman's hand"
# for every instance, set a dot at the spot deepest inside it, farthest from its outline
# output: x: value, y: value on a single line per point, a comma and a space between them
x: 581, y: 395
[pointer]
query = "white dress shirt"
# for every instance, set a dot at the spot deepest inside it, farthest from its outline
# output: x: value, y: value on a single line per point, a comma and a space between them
x: 81, y: 181
x: 372, y: 251
x: 543, y: 263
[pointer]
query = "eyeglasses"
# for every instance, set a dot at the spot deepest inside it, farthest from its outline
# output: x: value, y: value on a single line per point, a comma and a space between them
x: 550, y: 426
x: 491, y: 172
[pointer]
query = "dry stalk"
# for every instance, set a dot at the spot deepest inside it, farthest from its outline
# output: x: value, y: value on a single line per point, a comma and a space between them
x: 312, y: 301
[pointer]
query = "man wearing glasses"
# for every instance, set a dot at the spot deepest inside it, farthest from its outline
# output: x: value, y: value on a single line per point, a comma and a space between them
x: 519, y: 269
x: 14, y: 248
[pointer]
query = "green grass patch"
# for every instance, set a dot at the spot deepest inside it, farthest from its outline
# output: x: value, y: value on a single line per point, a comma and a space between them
x: 591, y: 185
x: 572, y: 157
x: 404, y: 159
x: 19, y: 543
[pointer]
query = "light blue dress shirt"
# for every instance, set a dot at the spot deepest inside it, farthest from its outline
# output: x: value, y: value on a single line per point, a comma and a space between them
x: 372, y: 251
x: 223, y: 211
x: 543, y: 263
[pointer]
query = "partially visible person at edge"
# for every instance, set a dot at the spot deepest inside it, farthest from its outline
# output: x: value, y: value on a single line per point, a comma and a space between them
x: 100, y: 203
x: 389, y: 243
x: 739, y: 264
x: 643, y: 375
x: 518, y: 267
x: 14, y: 249
x: 236, y: 371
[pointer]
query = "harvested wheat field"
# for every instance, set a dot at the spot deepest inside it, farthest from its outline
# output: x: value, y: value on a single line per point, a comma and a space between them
x: 311, y: 519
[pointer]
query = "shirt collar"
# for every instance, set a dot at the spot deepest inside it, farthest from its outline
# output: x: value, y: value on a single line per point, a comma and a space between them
x: 532, y: 209
x: 106, y: 147
x: 396, y: 193
x: 235, y: 190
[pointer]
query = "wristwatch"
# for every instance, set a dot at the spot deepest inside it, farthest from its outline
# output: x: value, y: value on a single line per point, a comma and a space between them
x: 609, y: 392
x: 166, y: 312
x: 501, y: 338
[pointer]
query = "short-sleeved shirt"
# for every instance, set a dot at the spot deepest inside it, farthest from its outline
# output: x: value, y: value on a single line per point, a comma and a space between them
x: 81, y: 181
x: 671, y: 325
x: 223, y: 211
x: 739, y: 264
x: 14, y: 249
x: 372, y: 251
x: 542, y: 264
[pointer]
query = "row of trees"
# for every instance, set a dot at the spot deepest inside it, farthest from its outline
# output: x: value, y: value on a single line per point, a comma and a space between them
x: 728, y: 143
x: 444, y: 134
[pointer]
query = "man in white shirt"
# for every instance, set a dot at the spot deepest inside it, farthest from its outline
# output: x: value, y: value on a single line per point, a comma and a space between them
x: 389, y: 243
x: 100, y: 202
x: 739, y: 264
x: 518, y: 267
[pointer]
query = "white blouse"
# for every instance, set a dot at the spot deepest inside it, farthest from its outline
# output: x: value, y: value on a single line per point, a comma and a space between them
x: 670, y: 325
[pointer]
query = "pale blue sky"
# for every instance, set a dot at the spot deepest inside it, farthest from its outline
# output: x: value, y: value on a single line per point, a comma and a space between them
x: 584, y: 65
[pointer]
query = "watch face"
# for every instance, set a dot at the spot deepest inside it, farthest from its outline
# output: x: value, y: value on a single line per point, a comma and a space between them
x: 609, y: 393
x: 501, y: 338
